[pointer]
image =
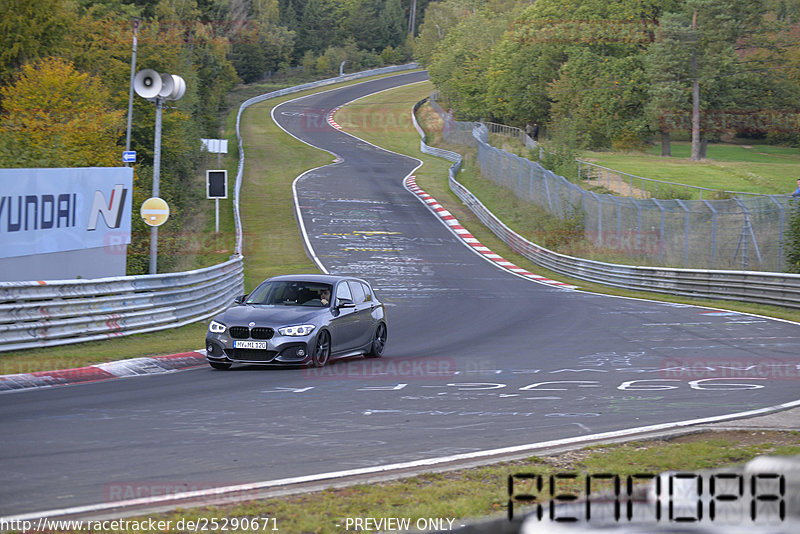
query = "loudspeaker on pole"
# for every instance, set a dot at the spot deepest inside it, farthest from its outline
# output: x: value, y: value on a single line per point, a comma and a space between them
x: 147, y: 83
x: 178, y: 89
x: 167, y: 85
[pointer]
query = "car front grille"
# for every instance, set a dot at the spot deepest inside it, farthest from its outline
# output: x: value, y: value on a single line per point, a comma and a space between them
x: 259, y: 332
x: 240, y: 332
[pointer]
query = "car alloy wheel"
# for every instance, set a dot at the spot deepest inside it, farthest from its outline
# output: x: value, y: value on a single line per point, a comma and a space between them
x: 378, y: 342
x: 322, y: 349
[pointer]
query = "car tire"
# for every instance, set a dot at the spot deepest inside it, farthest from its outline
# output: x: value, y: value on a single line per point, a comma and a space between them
x: 322, y: 349
x: 378, y: 342
x: 222, y: 366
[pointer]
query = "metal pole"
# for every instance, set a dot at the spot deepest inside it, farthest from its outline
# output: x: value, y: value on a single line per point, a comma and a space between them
x: 780, y: 231
x: 135, y: 24
x: 713, y: 233
x: 156, y: 177
x: 687, y: 225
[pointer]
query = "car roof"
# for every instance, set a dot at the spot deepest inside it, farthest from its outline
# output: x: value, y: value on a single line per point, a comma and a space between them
x: 322, y: 278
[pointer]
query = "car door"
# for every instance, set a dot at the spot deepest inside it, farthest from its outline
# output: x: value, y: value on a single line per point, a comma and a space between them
x: 366, y: 323
x: 344, y: 324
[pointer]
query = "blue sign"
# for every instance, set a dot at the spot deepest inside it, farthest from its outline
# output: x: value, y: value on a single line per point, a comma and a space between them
x: 129, y: 156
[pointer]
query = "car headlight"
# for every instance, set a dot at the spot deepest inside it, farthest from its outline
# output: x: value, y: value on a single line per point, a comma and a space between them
x: 216, y: 327
x: 301, y: 330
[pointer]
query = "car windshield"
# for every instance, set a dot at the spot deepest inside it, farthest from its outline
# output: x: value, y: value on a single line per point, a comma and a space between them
x: 291, y: 293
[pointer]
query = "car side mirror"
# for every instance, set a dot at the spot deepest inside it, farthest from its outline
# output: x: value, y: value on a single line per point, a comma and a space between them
x: 239, y: 299
x: 344, y: 303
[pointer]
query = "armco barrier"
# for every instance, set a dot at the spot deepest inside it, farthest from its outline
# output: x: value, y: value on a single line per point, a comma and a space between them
x: 778, y: 289
x: 59, y: 312
x: 41, y: 314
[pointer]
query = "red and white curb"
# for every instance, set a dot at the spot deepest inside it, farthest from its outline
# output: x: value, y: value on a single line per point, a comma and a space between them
x: 448, y: 219
x: 330, y: 120
x: 103, y: 371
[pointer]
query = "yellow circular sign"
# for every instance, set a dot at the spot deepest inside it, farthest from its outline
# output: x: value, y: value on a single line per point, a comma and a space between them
x: 155, y: 211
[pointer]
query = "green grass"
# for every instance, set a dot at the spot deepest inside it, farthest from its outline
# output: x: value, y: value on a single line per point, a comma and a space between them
x: 761, y: 169
x: 465, y: 494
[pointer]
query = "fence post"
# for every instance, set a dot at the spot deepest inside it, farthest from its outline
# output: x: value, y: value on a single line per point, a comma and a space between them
x: 661, y: 230
x: 638, y: 221
x: 713, y: 232
x: 686, y: 232
x: 780, y: 230
x: 747, y: 229
x: 599, y: 202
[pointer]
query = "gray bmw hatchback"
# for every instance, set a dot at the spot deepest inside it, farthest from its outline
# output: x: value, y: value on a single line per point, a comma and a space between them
x: 305, y: 320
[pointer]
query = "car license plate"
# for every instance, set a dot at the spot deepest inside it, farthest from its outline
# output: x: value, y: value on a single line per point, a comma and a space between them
x: 250, y: 345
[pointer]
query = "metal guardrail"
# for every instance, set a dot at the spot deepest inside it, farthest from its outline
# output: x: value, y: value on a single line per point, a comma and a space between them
x: 50, y: 313
x: 776, y: 289
x: 43, y: 314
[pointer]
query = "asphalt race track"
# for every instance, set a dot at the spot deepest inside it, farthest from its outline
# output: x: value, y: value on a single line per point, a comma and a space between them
x: 477, y: 359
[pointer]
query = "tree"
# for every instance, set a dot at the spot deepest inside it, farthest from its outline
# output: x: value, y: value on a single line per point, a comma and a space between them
x: 602, y: 98
x: 666, y: 64
x: 440, y: 18
x: 549, y: 36
x: 318, y: 27
x: 458, y: 66
x: 55, y: 116
x: 698, y: 53
x: 362, y: 22
x: 30, y: 30
x: 393, y: 24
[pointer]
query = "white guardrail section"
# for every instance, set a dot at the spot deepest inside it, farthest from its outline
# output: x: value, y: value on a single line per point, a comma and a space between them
x: 777, y: 289
x: 59, y: 312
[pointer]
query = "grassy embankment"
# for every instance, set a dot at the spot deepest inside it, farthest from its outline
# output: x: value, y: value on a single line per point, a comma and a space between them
x: 745, y: 168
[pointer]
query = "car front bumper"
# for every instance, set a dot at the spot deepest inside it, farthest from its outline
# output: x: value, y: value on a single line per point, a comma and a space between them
x: 285, y: 350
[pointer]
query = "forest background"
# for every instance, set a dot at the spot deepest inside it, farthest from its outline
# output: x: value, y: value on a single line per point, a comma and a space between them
x: 598, y: 74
